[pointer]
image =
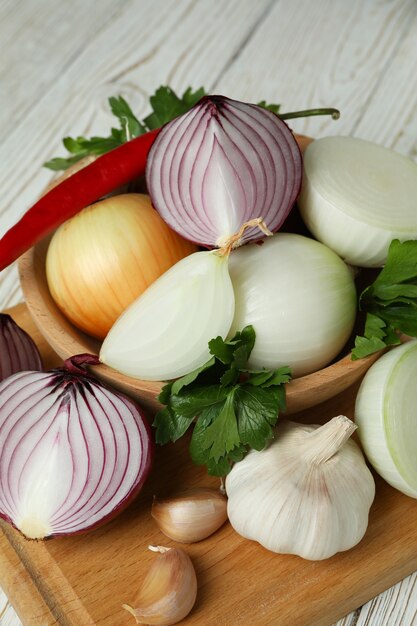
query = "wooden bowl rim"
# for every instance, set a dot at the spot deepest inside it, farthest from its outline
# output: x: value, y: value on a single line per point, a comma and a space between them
x: 338, y: 375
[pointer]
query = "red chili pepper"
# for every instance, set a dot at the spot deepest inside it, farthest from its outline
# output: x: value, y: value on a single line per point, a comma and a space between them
x: 111, y: 170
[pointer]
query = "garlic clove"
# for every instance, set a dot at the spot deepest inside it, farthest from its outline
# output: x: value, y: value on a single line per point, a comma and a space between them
x: 191, y: 516
x: 169, y: 590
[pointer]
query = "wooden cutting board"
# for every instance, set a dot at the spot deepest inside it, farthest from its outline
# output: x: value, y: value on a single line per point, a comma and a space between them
x: 83, y: 580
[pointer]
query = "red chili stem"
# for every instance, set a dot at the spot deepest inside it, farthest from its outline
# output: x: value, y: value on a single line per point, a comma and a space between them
x: 109, y: 171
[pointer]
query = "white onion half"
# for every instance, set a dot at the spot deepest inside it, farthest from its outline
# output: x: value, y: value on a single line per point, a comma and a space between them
x: 299, y: 296
x: 357, y: 197
x: 165, y: 332
x: 386, y: 415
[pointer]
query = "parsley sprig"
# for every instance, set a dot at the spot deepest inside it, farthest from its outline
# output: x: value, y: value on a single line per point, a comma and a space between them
x: 236, y: 408
x: 390, y: 302
x: 166, y: 105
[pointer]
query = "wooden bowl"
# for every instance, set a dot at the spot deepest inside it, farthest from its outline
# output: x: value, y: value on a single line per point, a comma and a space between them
x: 68, y: 340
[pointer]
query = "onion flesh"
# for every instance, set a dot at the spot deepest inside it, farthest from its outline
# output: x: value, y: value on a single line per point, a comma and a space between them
x: 73, y: 453
x: 386, y: 415
x: 18, y: 351
x: 357, y: 197
x: 106, y: 256
x: 221, y: 165
x: 165, y: 332
x: 300, y: 298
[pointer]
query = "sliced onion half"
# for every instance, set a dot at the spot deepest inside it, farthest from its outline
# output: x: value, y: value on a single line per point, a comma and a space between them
x: 386, y: 415
x: 357, y: 197
x: 221, y: 165
x: 165, y: 332
x: 73, y: 453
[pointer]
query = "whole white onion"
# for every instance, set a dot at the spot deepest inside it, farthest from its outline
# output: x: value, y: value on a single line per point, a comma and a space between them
x: 299, y: 296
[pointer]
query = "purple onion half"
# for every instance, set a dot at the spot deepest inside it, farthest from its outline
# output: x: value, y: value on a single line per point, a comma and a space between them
x: 18, y: 351
x: 73, y: 453
x: 221, y: 165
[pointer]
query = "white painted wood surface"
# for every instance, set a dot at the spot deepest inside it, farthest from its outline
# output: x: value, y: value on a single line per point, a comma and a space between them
x: 62, y: 59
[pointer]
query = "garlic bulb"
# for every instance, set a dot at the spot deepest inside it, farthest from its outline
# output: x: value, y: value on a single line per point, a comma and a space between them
x: 308, y: 493
x: 169, y: 590
x: 165, y: 332
x: 191, y: 516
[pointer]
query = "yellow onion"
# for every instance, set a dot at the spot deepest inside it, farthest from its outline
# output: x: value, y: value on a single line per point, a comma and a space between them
x: 102, y: 259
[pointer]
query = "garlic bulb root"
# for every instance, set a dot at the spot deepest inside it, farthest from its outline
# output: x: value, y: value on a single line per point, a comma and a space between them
x: 169, y: 590
x: 309, y: 493
x: 192, y: 515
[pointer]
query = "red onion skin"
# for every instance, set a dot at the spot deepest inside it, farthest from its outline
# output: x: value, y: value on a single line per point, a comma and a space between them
x: 19, y: 347
x: 214, y: 105
x: 73, y: 373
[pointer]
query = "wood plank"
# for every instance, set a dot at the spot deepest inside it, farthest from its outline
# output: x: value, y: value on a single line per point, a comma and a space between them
x: 390, y: 116
x: 44, y: 41
x: 20, y: 588
x: 323, y: 53
x: 395, y: 607
x: 238, y: 580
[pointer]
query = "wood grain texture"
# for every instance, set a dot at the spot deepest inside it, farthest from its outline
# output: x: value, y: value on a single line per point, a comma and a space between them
x: 327, y: 53
x: 394, y: 607
x: 50, y: 32
x: 84, y: 579
x: 358, y: 55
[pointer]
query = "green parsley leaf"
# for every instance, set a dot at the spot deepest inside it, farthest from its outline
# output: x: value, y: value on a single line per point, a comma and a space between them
x: 375, y: 333
x: 222, y: 436
x: 258, y: 412
x: 221, y: 350
x: 190, y: 378
x: 391, y: 301
x: 267, y: 378
x: 73, y: 145
x: 130, y: 125
x: 270, y: 107
x: 166, y: 105
x: 170, y: 426
x: 58, y: 164
x: 190, y: 97
x: 235, y: 408
x: 191, y: 401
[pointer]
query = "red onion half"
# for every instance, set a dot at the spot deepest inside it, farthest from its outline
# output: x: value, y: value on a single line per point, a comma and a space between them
x: 73, y: 453
x: 221, y: 165
x: 18, y: 351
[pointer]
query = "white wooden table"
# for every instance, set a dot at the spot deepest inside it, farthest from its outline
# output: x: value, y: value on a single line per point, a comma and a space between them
x: 62, y: 59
